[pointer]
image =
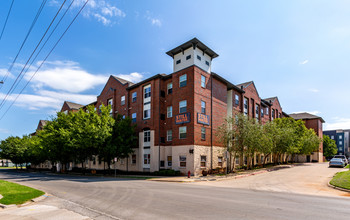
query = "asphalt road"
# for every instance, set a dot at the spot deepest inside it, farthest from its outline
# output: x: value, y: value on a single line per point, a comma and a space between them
x: 107, y: 198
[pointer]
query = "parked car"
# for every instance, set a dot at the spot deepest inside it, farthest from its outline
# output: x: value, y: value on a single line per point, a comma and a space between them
x: 343, y: 157
x: 336, y: 162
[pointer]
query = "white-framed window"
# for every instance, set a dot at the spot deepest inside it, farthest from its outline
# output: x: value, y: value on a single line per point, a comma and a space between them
x: 183, y: 132
x: 122, y: 100
x: 146, y: 159
x: 340, y: 142
x: 202, y: 81
x: 236, y: 99
x: 267, y: 111
x: 262, y: 112
x: 332, y: 137
x: 133, y: 117
x: 147, y: 136
x: 183, y: 80
x: 110, y: 102
x: 340, y: 137
x: 183, y: 106
x: 257, y: 111
x: 203, y: 131
x: 170, y: 88
x: 134, y: 96
x: 219, y: 161
x: 203, y: 107
x: 182, y: 160
x: 203, y: 161
x: 169, y: 111
x: 169, y: 135
x: 147, y: 111
x: 246, y: 106
x: 147, y: 91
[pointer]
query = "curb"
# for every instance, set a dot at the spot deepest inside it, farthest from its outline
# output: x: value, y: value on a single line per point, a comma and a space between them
x: 337, y: 188
x: 37, y: 199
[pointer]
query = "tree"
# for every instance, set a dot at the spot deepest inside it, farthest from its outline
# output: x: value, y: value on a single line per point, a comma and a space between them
x: 12, y: 148
x: 329, y: 147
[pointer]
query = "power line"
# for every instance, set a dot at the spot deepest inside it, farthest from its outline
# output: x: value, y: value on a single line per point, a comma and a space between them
x: 25, y: 39
x: 7, y: 17
x: 14, y: 83
x: 44, y: 59
x: 48, y: 38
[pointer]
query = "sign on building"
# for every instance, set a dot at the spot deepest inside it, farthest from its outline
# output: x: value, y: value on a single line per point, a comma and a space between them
x: 183, y: 118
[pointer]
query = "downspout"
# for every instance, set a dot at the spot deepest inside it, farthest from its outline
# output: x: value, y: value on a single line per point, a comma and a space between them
x: 211, y: 123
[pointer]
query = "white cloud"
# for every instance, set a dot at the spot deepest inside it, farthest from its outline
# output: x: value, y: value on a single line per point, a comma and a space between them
x: 154, y: 21
x: 65, y: 76
x: 132, y: 77
x: 337, y: 123
x: 4, y: 131
x: 314, y: 90
x: 304, y: 62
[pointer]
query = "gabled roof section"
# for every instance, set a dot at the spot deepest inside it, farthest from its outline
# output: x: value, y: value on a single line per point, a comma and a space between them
x: 162, y: 75
x: 123, y: 81
x: 244, y: 85
x: 192, y: 43
x: 285, y: 114
x: 271, y: 100
x: 229, y: 85
x: 73, y: 105
x: 305, y: 116
x: 265, y: 102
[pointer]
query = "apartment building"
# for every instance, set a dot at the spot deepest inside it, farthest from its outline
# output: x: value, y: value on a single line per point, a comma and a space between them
x: 341, y: 138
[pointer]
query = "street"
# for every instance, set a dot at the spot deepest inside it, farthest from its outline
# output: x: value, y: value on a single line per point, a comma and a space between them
x: 108, y: 198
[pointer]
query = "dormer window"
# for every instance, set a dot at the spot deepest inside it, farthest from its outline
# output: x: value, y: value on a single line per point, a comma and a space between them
x: 188, y: 57
x: 199, y: 57
x: 178, y: 61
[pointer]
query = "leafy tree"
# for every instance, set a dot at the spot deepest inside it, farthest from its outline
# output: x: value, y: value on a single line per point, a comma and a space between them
x: 329, y: 146
x: 13, y: 149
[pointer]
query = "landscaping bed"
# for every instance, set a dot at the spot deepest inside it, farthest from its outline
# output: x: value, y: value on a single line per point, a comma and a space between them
x: 14, y: 193
x: 342, y: 180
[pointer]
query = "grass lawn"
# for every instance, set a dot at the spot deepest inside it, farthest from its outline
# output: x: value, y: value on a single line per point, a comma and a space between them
x: 14, y: 193
x: 341, y: 179
x: 347, y: 166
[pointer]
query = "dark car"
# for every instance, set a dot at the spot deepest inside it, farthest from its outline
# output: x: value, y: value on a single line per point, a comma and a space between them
x: 336, y: 162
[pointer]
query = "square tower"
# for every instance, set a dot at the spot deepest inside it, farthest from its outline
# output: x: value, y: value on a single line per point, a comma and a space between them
x: 193, y: 52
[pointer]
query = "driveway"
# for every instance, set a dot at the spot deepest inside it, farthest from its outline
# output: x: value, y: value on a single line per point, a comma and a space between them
x: 309, y: 178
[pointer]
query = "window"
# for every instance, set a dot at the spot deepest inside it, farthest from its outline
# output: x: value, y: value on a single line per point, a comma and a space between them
x: 110, y: 102
x: 245, y: 106
x: 146, y: 158
x: 207, y: 63
x: 123, y: 116
x: 203, y: 81
x: 99, y: 108
x: 340, y: 137
x: 280, y: 115
x: 183, y: 80
x: 134, y: 96
x: 169, y: 135
x: 147, y: 110
x: 182, y: 161
x: 203, y: 161
x: 133, y: 159
x: 147, y: 91
x: 257, y: 111
x: 183, y: 106
x: 199, y: 57
x: 203, y: 133
x: 332, y: 137
x: 178, y: 61
x: 203, y: 107
x: 169, y: 111
x: 262, y: 112
x: 188, y: 57
x: 236, y: 99
x: 122, y: 100
x: 133, y: 117
x: 273, y: 114
x: 162, y: 163
x: 94, y: 160
x: 267, y: 111
x: 170, y: 160
x: 170, y: 88
x: 183, y: 132
x: 219, y: 161
x: 340, y: 142
x: 147, y: 136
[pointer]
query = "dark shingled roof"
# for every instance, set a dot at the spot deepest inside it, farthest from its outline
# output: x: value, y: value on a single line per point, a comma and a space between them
x: 73, y: 105
x: 305, y: 115
x: 191, y: 43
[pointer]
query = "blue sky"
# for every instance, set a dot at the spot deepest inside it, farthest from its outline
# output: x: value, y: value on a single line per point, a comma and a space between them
x: 296, y: 50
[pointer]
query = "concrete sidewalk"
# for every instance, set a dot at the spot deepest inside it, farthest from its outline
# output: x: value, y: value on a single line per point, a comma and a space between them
x: 241, y: 174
